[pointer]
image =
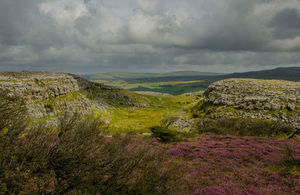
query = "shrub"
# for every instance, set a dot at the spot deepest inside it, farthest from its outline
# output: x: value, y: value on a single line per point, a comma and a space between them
x: 164, y: 134
x: 244, y: 127
x: 23, y: 158
x: 12, y: 113
x: 80, y: 159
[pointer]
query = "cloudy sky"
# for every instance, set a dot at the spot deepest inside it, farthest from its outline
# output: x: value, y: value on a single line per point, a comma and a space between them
x: 83, y: 36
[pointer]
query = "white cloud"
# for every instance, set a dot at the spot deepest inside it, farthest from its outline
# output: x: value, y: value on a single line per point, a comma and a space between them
x: 143, y: 33
x: 150, y: 6
x: 64, y: 12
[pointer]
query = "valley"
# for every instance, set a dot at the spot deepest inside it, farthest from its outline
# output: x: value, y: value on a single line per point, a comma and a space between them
x: 237, y: 136
x: 177, y: 83
x: 149, y: 97
x: 141, y: 119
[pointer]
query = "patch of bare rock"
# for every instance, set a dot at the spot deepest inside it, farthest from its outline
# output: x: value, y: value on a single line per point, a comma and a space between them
x: 47, y: 94
x: 250, y: 98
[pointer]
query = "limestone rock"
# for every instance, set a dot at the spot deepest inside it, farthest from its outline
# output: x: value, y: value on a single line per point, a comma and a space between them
x: 183, y: 123
x: 47, y: 95
x: 250, y: 98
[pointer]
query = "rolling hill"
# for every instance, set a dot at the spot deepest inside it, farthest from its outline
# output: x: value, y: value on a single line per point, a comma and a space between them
x: 290, y: 74
x: 185, y: 81
x: 123, y: 75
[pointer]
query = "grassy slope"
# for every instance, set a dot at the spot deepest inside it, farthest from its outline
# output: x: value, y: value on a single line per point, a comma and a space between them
x: 124, y: 119
x: 214, y: 164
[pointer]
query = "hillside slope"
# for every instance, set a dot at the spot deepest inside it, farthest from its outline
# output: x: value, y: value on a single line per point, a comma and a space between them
x: 268, y: 100
x: 49, y: 95
x: 289, y: 74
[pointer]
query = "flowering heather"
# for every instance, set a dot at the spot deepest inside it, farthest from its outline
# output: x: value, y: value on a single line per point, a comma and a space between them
x: 80, y: 160
x: 236, y: 165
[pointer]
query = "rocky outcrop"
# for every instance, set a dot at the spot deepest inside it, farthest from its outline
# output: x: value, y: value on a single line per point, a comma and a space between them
x: 250, y: 98
x: 47, y: 95
x: 183, y: 123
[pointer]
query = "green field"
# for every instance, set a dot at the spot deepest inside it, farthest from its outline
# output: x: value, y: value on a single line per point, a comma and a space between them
x: 174, y: 83
x: 128, y: 75
x: 170, y: 87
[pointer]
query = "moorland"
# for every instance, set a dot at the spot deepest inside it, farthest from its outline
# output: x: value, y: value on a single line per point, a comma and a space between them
x: 63, y: 134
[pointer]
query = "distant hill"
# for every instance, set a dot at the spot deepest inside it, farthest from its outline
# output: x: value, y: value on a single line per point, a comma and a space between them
x: 122, y: 75
x: 176, y: 83
x: 290, y: 74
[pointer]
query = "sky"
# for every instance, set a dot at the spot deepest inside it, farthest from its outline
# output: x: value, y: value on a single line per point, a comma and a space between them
x: 85, y: 36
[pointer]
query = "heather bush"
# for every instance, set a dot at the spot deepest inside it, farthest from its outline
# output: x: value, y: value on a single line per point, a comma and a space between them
x: 87, y: 161
x: 80, y: 159
x: 226, y: 164
x: 244, y: 127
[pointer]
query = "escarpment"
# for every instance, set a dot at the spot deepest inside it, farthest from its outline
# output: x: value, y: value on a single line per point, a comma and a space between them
x: 271, y: 100
x: 47, y: 95
x: 107, y: 95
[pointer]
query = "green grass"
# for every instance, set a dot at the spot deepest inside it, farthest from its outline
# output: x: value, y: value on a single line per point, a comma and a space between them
x: 140, y: 119
x: 175, y: 87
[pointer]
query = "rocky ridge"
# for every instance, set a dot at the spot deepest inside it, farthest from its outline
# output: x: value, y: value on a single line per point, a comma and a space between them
x: 250, y: 98
x: 47, y: 94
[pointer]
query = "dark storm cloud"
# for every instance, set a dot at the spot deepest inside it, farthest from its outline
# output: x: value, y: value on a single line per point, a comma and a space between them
x: 286, y: 23
x: 232, y: 27
x: 148, y: 35
x: 15, y: 18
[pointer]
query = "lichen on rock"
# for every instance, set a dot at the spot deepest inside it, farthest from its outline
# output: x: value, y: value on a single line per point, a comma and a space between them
x: 272, y: 100
x: 47, y: 95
